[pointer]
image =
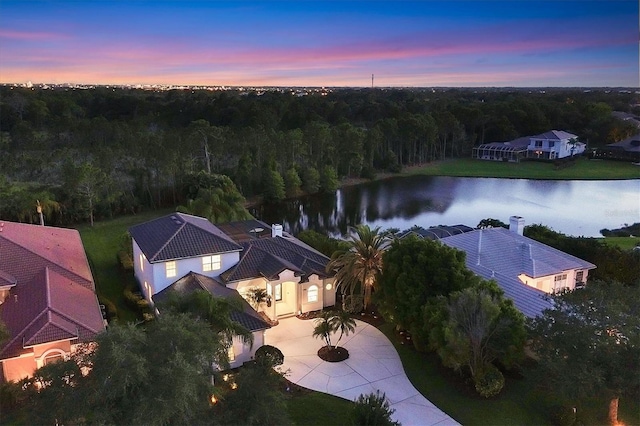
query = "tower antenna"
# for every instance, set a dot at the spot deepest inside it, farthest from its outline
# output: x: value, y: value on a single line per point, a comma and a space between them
x: 372, y: 81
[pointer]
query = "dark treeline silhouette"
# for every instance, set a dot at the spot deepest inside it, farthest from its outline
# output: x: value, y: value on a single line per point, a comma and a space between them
x: 104, y: 151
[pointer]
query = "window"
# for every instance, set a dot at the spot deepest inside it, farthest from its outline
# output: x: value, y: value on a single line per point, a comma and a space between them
x: 579, y: 276
x: 538, y: 144
x: 312, y: 294
x: 560, y: 282
x: 231, y: 353
x: 211, y: 263
x: 171, y: 269
x: 50, y: 359
x: 141, y: 262
x: 278, y: 292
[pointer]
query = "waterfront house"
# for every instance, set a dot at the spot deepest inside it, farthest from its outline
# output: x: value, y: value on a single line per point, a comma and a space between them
x: 238, y: 256
x: 551, y: 145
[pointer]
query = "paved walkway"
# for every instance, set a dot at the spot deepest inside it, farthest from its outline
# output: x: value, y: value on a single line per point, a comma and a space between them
x: 373, y: 364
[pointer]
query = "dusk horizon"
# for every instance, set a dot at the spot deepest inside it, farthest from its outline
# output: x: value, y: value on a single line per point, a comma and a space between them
x: 424, y: 44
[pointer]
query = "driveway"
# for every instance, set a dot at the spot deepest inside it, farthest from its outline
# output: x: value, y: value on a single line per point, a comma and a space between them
x: 373, y: 364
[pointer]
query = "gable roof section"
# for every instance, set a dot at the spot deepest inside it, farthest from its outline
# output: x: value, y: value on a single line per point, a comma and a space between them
x: 179, y: 236
x: 193, y: 281
x: 267, y: 257
x: 50, y: 307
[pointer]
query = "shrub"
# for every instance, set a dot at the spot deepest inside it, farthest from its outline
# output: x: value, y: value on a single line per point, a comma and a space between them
x: 353, y: 304
x: 562, y: 415
x: 372, y: 409
x: 125, y: 261
x: 490, y: 383
x: 269, y: 354
x: 112, y: 311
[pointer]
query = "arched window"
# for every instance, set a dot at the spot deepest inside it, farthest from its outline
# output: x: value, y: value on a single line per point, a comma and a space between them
x: 312, y: 294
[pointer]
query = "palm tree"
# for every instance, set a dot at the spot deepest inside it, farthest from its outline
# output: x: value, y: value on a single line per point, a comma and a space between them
x: 341, y: 320
x: 324, y: 328
x: 358, y: 266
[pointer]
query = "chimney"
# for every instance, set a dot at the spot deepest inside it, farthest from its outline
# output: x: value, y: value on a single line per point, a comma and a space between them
x: 516, y: 224
x: 276, y: 230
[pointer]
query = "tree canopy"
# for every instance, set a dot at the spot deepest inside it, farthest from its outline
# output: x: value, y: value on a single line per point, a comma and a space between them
x: 589, y: 344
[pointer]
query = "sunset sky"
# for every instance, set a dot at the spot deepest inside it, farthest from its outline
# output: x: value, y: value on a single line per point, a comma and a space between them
x: 330, y: 43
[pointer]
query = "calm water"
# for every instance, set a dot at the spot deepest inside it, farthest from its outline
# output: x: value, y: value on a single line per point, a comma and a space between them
x: 579, y: 208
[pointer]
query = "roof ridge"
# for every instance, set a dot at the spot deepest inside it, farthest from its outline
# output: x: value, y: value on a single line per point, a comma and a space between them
x: 166, y: 243
x: 53, y: 264
x: 51, y: 311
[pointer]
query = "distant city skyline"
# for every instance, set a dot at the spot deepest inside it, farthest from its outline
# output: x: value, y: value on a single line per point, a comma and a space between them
x: 525, y: 43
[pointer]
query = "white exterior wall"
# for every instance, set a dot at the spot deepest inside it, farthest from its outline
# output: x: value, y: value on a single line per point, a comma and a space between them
x: 245, y: 352
x: 155, y: 274
x: 143, y: 272
x: 547, y: 283
x: 328, y: 295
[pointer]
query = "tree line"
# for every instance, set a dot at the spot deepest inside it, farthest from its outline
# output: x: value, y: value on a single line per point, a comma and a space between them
x: 101, y: 152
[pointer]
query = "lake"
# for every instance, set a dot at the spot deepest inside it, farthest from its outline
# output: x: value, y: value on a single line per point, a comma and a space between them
x: 578, y: 208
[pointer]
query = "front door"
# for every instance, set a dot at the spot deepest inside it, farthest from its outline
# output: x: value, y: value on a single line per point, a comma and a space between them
x: 285, y: 298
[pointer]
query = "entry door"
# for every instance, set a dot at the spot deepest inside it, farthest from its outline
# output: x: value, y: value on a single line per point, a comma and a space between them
x: 287, y: 303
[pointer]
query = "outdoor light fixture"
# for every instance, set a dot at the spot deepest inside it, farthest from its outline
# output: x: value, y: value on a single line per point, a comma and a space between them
x: 328, y: 286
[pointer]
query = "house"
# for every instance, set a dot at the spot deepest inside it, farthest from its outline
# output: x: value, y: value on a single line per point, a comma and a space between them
x: 626, y: 150
x: 239, y: 352
x: 47, y: 297
x: 527, y: 271
x: 238, y: 256
x: 551, y: 145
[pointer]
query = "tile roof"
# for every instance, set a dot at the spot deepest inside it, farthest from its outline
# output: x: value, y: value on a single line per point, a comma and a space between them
x: 193, y: 281
x: 48, y: 308
x: 500, y: 254
x: 631, y: 144
x: 178, y: 236
x: 267, y: 257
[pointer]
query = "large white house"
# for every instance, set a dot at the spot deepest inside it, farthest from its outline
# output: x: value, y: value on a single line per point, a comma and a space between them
x: 551, y: 145
x: 180, y: 251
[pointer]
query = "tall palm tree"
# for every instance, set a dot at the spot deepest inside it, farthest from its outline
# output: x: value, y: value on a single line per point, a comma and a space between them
x: 359, y: 265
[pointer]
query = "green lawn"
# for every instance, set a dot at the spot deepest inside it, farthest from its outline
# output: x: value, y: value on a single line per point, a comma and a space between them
x: 316, y: 408
x: 102, y: 244
x: 625, y: 243
x: 582, y: 169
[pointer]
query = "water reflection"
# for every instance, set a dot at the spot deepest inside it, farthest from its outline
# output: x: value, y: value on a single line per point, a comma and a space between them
x: 572, y: 207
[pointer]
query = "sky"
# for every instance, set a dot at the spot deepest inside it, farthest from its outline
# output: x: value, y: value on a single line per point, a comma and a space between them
x: 455, y: 43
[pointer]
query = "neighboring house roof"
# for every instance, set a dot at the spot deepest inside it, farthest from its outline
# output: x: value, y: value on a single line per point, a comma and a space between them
x: 555, y: 134
x: 53, y: 296
x: 500, y: 254
x: 179, y: 236
x: 193, y: 281
x: 631, y: 144
x: 436, y: 232
x: 267, y: 257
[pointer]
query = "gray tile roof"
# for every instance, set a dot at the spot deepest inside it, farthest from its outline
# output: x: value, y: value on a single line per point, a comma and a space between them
x: 267, y: 257
x: 193, y: 281
x: 631, y: 144
x: 179, y: 236
x: 500, y: 254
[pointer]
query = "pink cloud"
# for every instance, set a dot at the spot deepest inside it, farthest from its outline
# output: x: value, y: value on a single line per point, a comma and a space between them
x: 30, y: 35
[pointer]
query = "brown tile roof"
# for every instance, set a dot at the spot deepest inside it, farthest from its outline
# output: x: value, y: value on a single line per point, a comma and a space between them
x: 53, y: 297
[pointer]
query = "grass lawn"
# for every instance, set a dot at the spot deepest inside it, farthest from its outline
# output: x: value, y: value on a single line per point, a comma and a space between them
x: 625, y: 243
x: 316, y: 408
x: 582, y: 169
x: 102, y: 243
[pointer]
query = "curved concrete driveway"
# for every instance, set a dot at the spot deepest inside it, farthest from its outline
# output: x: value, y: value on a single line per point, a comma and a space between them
x: 373, y: 364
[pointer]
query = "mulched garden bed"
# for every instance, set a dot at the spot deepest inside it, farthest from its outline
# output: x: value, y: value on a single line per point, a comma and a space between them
x: 333, y: 354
